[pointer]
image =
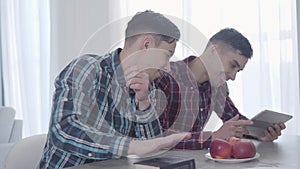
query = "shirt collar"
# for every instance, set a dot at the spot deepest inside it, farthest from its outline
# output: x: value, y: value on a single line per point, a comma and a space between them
x: 116, y: 66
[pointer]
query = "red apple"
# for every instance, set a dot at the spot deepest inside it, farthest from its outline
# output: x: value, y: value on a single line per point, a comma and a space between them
x: 220, y: 149
x: 243, y: 149
x: 233, y: 140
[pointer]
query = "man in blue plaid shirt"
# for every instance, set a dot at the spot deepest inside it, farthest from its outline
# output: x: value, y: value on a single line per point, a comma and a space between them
x: 105, y: 107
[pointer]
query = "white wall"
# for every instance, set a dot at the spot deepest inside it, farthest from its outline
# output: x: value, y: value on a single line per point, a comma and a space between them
x: 72, y: 23
x: 298, y: 34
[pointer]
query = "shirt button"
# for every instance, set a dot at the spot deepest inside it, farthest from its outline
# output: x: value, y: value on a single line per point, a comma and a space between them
x: 201, y: 109
x: 90, y: 154
x: 192, y: 88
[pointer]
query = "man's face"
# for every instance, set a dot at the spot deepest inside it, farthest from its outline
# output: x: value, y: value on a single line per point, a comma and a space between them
x: 222, y: 64
x: 151, y: 59
x: 159, y: 59
x: 233, y: 62
x: 156, y: 58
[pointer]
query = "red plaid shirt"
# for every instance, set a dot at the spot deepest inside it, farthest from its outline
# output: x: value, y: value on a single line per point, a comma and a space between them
x: 189, y: 110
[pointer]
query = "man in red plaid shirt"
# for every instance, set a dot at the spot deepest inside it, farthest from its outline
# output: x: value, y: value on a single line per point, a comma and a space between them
x: 197, y: 86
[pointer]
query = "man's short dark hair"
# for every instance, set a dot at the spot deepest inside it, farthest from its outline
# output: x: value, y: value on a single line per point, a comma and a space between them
x: 235, y: 39
x: 149, y: 22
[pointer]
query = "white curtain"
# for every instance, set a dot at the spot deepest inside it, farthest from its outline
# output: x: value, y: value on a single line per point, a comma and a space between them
x: 25, y: 30
x: 270, y: 79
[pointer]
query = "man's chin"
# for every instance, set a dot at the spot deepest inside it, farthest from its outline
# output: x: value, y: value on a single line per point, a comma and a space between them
x: 217, y: 83
x: 154, y: 75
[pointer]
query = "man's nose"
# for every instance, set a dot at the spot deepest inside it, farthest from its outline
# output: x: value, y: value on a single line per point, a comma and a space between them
x: 232, y: 75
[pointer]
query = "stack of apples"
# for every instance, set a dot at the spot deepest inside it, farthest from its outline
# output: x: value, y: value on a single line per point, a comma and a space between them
x: 232, y: 148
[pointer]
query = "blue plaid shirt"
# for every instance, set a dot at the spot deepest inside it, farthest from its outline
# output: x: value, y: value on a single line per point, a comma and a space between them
x: 94, y: 115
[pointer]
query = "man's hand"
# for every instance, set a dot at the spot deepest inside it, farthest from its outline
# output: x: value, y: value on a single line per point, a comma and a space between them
x: 139, y: 82
x: 272, y: 133
x: 143, y: 147
x: 232, y: 127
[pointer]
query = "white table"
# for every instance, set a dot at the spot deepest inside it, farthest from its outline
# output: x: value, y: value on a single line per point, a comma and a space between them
x: 283, y: 153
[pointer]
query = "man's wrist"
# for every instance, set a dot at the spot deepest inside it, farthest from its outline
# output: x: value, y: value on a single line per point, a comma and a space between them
x: 143, y: 104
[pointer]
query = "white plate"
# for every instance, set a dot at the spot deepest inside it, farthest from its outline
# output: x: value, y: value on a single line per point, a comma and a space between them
x: 147, y: 155
x: 232, y: 160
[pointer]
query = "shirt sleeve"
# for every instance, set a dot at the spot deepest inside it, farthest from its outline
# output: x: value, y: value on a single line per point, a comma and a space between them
x: 200, y: 140
x: 79, y: 123
x: 225, y: 109
x: 224, y: 106
x: 147, y: 121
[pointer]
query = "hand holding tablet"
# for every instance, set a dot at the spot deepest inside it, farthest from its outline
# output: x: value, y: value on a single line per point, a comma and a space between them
x: 265, y: 119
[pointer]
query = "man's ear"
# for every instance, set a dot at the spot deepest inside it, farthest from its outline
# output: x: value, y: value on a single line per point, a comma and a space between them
x: 214, y: 49
x: 146, y: 45
x: 147, y: 42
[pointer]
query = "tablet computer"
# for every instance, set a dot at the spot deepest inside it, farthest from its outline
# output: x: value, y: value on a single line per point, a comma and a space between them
x: 265, y: 119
